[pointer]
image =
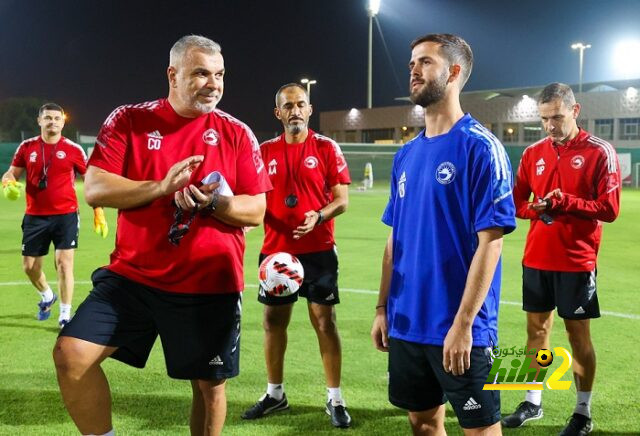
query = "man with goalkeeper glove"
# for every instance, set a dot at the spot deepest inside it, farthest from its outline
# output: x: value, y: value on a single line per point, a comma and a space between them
x: 49, y: 162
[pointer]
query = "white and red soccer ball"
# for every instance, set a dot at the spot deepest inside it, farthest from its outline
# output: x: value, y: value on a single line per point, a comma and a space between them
x: 281, y: 274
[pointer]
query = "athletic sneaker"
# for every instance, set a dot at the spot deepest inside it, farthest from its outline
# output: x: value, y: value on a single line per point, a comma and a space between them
x: 45, y: 309
x: 266, y: 405
x: 63, y: 322
x: 526, y: 411
x: 579, y: 425
x: 339, y: 416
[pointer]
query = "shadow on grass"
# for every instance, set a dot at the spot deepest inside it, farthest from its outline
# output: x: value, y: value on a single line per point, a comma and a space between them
x: 162, y: 412
x: 25, y: 321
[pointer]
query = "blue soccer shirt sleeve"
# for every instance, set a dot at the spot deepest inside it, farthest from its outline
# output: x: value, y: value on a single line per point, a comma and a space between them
x: 387, y: 215
x: 491, y: 185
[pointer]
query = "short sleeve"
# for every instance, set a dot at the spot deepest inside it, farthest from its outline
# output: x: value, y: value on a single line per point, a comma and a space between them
x: 387, y: 215
x: 252, y: 176
x: 337, y: 169
x: 79, y: 159
x: 492, y: 186
x: 18, y: 157
x: 111, y: 143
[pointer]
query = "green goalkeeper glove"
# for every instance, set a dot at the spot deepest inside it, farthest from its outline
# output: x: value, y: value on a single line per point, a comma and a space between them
x: 11, y: 189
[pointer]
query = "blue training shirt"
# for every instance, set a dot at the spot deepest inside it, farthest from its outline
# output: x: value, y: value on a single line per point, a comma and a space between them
x: 444, y: 190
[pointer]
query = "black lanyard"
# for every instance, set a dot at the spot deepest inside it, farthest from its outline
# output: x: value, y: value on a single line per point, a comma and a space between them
x: 292, y: 199
x: 45, y: 166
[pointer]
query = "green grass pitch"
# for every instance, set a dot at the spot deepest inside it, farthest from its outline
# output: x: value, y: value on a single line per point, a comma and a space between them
x: 148, y: 402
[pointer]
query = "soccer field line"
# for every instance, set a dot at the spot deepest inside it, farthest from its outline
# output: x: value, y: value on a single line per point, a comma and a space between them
x: 357, y: 291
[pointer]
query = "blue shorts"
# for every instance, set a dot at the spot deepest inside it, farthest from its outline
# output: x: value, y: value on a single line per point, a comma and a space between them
x: 200, y: 334
x: 418, y: 382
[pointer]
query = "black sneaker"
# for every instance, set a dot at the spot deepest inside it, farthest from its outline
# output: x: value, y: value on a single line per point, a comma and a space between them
x: 339, y: 416
x: 579, y: 425
x: 266, y: 405
x: 526, y: 411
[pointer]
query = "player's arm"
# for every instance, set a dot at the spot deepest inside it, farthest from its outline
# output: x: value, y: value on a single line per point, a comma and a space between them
x: 336, y: 207
x: 379, y: 330
x: 105, y: 189
x: 457, y: 344
x: 13, y: 174
x: 605, y: 207
x: 237, y: 210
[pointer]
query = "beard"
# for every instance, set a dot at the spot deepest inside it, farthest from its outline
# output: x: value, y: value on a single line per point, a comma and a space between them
x: 432, y: 91
x: 297, y: 128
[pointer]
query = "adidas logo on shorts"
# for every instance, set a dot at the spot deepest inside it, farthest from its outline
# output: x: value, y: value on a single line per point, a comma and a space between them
x: 471, y: 404
x: 216, y: 361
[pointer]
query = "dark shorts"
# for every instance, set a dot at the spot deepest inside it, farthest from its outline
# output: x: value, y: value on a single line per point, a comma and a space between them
x: 320, y: 283
x: 573, y: 293
x: 418, y: 382
x: 200, y: 334
x: 38, y: 231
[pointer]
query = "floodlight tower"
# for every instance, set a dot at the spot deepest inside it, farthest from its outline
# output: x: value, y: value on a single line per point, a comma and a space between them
x: 582, y: 47
x: 373, y: 8
x: 308, y: 82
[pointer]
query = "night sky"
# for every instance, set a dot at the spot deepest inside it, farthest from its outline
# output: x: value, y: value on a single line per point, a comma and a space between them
x: 91, y: 56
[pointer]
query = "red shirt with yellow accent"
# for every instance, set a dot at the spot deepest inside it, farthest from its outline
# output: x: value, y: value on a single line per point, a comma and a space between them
x: 62, y: 161
x: 307, y: 170
x: 142, y: 142
x: 587, y: 171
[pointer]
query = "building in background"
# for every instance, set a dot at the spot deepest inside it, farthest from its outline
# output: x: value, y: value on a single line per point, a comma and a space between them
x: 610, y: 110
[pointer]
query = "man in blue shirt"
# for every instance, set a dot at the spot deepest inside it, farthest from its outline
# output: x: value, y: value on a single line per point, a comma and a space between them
x: 450, y: 205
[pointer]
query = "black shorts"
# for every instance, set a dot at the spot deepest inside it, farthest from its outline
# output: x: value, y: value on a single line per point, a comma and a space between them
x: 200, y: 334
x: 574, y: 293
x: 418, y: 382
x: 38, y: 231
x: 320, y: 283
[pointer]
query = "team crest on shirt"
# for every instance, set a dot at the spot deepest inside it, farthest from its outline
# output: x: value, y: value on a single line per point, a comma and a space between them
x: 33, y: 156
x: 445, y: 173
x: 577, y: 161
x: 401, y: 184
x: 311, y: 162
x: 61, y: 154
x: 272, y: 167
x: 211, y: 137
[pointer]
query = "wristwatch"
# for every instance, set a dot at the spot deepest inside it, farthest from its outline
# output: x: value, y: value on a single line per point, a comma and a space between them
x: 320, y: 216
x: 211, y: 207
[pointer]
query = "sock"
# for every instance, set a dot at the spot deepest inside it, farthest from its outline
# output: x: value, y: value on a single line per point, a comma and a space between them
x: 534, y: 397
x: 275, y: 390
x: 65, y: 311
x: 109, y: 433
x: 583, y: 404
x: 46, y: 295
x: 335, y: 396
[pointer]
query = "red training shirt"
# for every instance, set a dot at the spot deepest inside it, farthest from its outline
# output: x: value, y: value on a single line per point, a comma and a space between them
x: 308, y: 170
x: 62, y: 160
x: 142, y: 142
x: 587, y: 172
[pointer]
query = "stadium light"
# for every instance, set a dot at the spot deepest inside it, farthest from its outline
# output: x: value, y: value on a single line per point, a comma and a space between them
x: 373, y: 8
x: 582, y: 47
x: 308, y: 82
x: 625, y: 58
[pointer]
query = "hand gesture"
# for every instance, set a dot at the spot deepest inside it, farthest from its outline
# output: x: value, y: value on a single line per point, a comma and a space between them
x: 310, y: 219
x: 179, y: 174
x: 192, y: 198
x: 456, y: 353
